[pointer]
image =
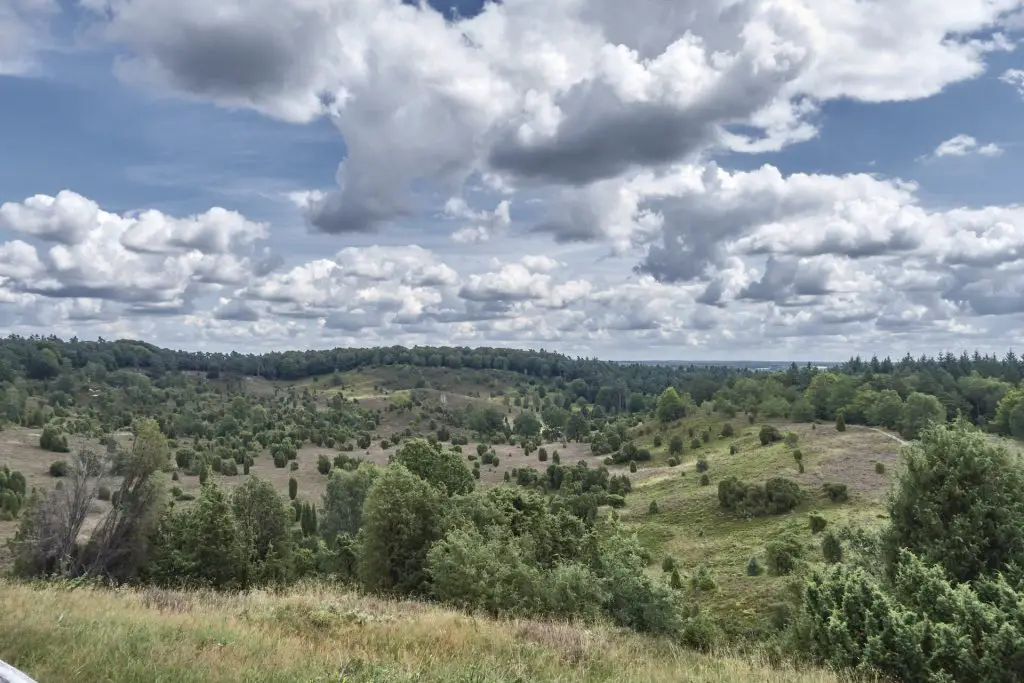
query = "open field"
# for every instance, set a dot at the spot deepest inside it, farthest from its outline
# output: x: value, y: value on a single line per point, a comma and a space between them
x: 19, y: 449
x: 314, y: 634
x: 691, y: 527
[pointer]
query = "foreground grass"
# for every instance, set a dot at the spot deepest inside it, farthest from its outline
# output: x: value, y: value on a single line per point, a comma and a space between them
x: 55, y: 633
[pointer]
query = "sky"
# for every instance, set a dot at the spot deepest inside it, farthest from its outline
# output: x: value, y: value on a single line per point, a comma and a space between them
x: 657, y: 179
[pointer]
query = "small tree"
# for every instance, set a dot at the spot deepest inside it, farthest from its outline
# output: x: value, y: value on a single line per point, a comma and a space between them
x: 675, y: 445
x: 705, y: 480
x: 840, y: 421
x: 831, y: 548
x: 632, y: 466
x: 727, y: 430
x: 59, y: 468
x: 293, y: 488
x: 754, y: 566
x: 818, y: 523
x: 782, y: 554
x: 323, y: 464
x: 768, y: 435
x: 652, y: 509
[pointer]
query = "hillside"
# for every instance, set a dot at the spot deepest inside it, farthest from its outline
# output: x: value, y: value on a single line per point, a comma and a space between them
x: 317, y: 634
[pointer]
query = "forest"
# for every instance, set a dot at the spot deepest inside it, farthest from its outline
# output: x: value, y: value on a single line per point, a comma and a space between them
x: 167, y: 469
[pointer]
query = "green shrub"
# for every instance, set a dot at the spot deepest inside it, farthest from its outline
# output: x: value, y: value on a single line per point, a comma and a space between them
x: 280, y: 460
x: 668, y: 564
x: 695, y: 443
x: 703, y: 579
x: 632, y: 466
x: 782, y: 554
x: 229, y: 468
x: 672, y: 462
x: 53, y: 440
x: 174, y: 476
x: 831, y: 548
x: 293, y: 488
x: 706, y: 436
x: 837, y: 493
x: 705, y: 480
x: 652, y: 509
x: 754, y: 566
x: 733, y: 449
x: 103, y: 492
x: 780, y: 615
x: 879, y: 468
x: 675, y: 445
x: 768, y: 435
x: 922, y: 627
x: 542, y: 454
x: 702, y: 465
x: 840, y: 422
x: 798, y: 455
x: 657, y: 441
x: 959, y: 503
x: 675, y: 582
x: 293, y: 466
x: 791, y: 439
x: 59, y: 468
x: 728, y: 430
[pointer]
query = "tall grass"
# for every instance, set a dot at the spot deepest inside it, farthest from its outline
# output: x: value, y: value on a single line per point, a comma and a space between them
x: 56, y: 633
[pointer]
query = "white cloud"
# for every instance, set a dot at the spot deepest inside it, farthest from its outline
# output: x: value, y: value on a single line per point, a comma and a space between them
x: 147, y: 260
x: 1015, y: 78
x: 963, y: 145
x: 544, y: 91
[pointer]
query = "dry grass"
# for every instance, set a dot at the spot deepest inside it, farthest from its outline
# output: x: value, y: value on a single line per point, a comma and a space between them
x: 315, y: 634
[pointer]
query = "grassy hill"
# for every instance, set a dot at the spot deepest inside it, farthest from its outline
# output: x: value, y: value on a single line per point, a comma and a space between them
x: 316, y: 634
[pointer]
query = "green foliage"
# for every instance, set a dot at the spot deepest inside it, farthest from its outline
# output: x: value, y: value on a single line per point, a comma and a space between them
x: 831, y: 548
x: 675, y: 445
x: 836, y: 492
x: 703, y: 579
x: 879, y: 468
x: 652, y: 509
x: 840, y: 421
x: 264, y: 521
x: 754, y: 566
x: 632, y: 466
x: 924, y: 628
x: 201, y: 545
x: 671, y: 406
x: 705, y: 480
x: 920, y: 411
x: 702, y: 465
x: 768, y: 435
x: 668, y: 564
x: 12, y: 492
x: 441, y: 468
x: 959, y: 503
x: 53, y: 440
x: 727, y: 430
x: 293, y: 488
x: 818, y: 523
x: 401, y: 519
x: 782, y: 554
x: 59, y: 468
x: 527, y: 424
x: 777, y: 496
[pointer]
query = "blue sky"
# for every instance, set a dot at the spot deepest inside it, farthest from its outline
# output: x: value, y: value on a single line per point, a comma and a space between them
x: 564, y: 172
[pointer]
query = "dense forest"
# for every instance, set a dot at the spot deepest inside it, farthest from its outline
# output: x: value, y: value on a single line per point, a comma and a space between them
x: 932, y: 594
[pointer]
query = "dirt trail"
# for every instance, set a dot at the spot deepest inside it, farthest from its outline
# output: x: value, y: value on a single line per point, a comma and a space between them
x: 895, y: 438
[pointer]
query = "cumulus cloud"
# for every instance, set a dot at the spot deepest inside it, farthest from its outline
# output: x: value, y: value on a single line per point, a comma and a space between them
x: 544, y: 92
x: 146, y: 260
x: 963, y: 145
